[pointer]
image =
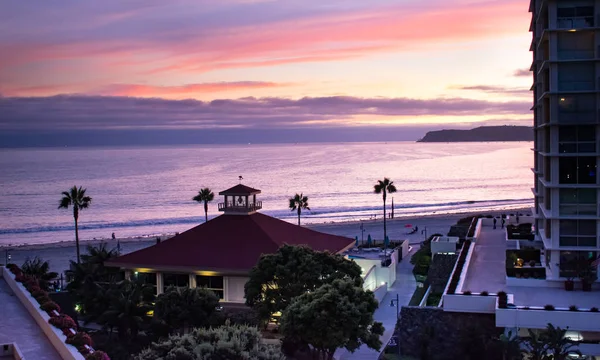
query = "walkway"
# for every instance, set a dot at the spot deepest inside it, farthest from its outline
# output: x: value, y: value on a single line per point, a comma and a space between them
x: 17, y: 326
x: 404, y: 287
x: 487, y: 271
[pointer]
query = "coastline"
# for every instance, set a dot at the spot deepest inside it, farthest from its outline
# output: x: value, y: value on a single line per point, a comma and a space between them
x: 322, y: 226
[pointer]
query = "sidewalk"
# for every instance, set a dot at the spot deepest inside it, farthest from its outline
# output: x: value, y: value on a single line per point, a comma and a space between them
x: 404, y: 287
x: 16, y: 325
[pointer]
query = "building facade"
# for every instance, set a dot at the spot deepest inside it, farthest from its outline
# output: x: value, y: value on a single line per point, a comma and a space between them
x: 566, y: 112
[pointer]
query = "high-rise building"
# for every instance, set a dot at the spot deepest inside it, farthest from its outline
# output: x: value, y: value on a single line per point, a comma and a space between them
x: 566, y: 111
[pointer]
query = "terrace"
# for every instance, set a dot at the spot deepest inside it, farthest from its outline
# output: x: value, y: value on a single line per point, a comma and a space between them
x: 487, y: 272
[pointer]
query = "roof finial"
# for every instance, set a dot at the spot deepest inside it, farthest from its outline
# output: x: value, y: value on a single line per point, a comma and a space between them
x: 241, y: 178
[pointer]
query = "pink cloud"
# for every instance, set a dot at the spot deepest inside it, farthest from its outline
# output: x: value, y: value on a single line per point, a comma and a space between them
x: 314, y: 38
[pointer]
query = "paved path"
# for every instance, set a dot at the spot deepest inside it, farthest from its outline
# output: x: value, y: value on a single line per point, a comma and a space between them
x: 487, y: 271
x: 16, y: 325
x: 404, y: 287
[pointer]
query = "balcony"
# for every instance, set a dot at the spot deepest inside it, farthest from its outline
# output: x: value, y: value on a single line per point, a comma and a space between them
x: 230, y: 206
x: 576, y: 22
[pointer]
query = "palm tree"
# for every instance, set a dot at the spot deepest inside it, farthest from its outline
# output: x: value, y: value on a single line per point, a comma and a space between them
x: 511, y: 346
x: 40, y: 270
x: 558, y: 345
x: 76, y: 198
x: 384, y: 187
x: 130, y: 302
x: 205, y: 195
x: 537, y: 349
x: 299, y: 202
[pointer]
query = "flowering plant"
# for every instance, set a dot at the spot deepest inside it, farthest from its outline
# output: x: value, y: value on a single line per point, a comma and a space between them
x: 63, y: 322
x: 48, y: 306
x: 97, y: 355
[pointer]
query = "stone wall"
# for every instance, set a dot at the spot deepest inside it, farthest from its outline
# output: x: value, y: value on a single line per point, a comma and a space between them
x: 439, y: 271
x: 431, y: 334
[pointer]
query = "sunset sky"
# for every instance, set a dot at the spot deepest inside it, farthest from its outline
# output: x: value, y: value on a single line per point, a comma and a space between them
x: 250, y: 64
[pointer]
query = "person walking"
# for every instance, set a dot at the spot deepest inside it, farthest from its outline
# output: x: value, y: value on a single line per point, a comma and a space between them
x: 113, y: 236
x: 503, y: 221
x: 495, y: 223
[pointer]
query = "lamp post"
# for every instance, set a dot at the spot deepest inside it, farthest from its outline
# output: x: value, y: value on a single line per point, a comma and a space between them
x: 396, y: 302
x: 362, y: 233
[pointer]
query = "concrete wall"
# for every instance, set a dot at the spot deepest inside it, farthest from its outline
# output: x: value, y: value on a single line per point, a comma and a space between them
x: 12, y: 351
x: 474, y: 303
x: 54, y: 335
x: 370, y: 279
x: 380, y: 292
x: 235, y: 288
x: 537, y: 318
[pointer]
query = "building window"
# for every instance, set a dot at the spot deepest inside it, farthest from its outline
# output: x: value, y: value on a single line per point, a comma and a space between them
x: 577, y: 139
x: 571, y: 261
x: 578, y: 108
x: 177, y: 280
x: 575, y: 17
x: 577, y: 170
x: 213, y: 283
x: 578, y: 233
x: 578, y: 202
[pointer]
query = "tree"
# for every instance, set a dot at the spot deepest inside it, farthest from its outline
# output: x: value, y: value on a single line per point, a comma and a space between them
x: 89, y: 280
x: 290, y: 272
x: 335, y: 315
x: 299, y: 202
x: 557, y: 344
x: 384, y: 187
x: 181, y: 308
x: 77, y: 199
x: 510, y: 345
x: 536, y: 348
x: 231, y: 342
x: 40, y: 270
x: 129, y: 304
x: 205, y: 196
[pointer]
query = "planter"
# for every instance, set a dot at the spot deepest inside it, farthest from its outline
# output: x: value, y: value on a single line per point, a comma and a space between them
x: 586, y: 285
x: 569, y: 285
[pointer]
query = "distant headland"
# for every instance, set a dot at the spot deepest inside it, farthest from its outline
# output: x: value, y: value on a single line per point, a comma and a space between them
x: 482, y: 133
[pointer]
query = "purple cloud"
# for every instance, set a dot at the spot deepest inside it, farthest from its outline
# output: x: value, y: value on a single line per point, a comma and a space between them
x: 114, y: 112
x: 522, y: 73
x: 492, y: 89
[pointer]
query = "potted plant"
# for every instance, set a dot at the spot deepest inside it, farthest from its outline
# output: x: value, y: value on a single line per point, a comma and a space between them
x: 502, y: 300
x: 569, y: 284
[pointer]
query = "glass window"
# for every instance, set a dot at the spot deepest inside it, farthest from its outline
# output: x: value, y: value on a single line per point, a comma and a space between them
x: 577, y: 233
x: 178, y: 280
x: 214, y: 283
x: 146, y: 278
x: 577, y: 170
x: 571, y: 260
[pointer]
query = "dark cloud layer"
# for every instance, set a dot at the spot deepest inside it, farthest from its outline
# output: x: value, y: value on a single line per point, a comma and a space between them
x: 105, y: 112
x: 493, y: 89
x: 522, y: 73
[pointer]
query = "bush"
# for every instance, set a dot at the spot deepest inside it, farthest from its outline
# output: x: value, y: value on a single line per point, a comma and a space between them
x: 484, y: 293
x: 97, y: 355
x: 39, y: 294
x: 594, y: 309
x: 468, y: 292
x: 573, y: 308
x: 49, y: 306
x: 80, y: 339
x: 549, y: 307
x: 63, y: 322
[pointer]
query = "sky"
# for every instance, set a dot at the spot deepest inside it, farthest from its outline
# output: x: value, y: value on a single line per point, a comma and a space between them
x: 263, y: 70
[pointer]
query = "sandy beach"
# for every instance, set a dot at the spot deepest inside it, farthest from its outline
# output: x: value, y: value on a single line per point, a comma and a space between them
x: 59, y: 254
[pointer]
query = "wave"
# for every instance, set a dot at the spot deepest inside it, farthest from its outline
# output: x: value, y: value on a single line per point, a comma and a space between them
x: 333, y: 212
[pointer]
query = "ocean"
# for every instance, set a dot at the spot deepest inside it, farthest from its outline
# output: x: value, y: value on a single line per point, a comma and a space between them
x: 147, y: 191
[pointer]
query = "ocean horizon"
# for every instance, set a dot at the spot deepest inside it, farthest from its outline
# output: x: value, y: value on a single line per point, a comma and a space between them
x: 147, y: 191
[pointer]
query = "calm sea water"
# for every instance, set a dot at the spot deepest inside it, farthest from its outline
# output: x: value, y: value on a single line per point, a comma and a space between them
x: 148, y: 191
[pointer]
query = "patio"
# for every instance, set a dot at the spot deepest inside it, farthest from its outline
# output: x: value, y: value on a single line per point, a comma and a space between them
x: 487, y: 272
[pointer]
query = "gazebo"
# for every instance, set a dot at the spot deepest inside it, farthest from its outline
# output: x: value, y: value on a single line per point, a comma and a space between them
x: 219, y: 254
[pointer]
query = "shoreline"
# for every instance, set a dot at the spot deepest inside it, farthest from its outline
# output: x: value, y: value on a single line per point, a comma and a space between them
x: 322, y: 227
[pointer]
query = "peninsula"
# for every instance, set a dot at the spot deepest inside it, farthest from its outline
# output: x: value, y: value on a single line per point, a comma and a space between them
x: 482, y: 133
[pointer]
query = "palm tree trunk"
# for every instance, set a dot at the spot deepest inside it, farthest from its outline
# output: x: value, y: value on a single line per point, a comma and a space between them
x: 205, y: 211
x: 384, y: 225
x: 76, y: 236
x: 299, y: 211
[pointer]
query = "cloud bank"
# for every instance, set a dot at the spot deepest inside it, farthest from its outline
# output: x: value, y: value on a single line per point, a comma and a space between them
x: 121, y: 112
